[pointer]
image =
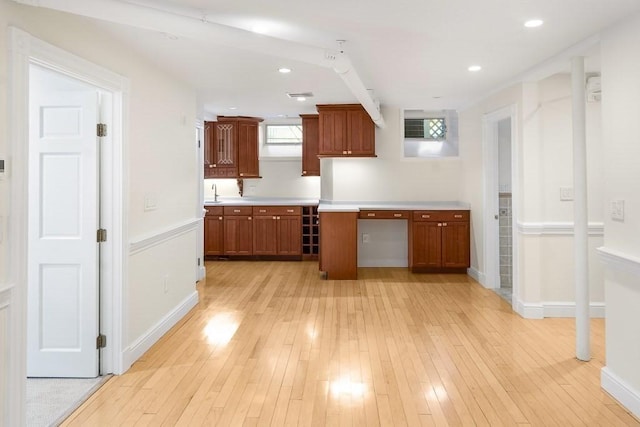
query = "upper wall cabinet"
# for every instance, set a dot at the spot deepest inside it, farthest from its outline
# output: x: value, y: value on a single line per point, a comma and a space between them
x: 231, y: 147
x: 345, y: 130
x: 310, y: 135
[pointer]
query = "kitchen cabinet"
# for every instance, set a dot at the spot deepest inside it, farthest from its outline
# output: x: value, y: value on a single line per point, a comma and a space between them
x: 440, y: 241
x: 277, y: 230
x: 310, y: 232
x: 238, y: 230
x: 338, y: 245
x: 213, y: 231
x: 310, y: 141
x: 345, y: 130
x: 231, y: 147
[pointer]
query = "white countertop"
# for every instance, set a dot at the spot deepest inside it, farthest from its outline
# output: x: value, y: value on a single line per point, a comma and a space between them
x: 329, y: 206
x: 261, y: 201
x: 405, y: 206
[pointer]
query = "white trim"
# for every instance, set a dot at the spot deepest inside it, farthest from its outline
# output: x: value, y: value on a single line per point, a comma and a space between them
x: 620, y: 390
x: 556, y: 228
x: 25, y: 50
x: 143, y: 243
x: 477, y: 275
x: 616, y: 260
x: 568, y: 309
x: 529, y: 310
x: 149, y: 338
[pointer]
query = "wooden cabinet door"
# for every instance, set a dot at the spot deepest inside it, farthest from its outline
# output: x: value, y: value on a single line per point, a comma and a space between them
x: 208, y: 149
x: 455, y: 244
x: 338, y: 245
x: 426, y: 242
x: 361, y: 137
x: 332, y: 133
x: 265, y: 235
x: 310, y: 141
x: 224, y: 150
x: 289, y: 235
x: 238, y: 235
x: 248, y: 165
x: 213, y: 235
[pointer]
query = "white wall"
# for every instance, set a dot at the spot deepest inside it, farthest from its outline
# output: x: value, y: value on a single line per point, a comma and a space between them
x: 161, y: 157
x: 504, y: 155
x: 621, y: 126
x: 544, y: 149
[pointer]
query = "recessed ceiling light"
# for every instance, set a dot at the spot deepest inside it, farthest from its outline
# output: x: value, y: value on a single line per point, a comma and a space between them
x: 284, y: 70
x: 301, y: 98
x: 475, y: 68
x: 233, y: 108
x: 533, y: 23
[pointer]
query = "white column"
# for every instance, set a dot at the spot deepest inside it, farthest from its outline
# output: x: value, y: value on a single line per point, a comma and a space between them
x: 581, y: 236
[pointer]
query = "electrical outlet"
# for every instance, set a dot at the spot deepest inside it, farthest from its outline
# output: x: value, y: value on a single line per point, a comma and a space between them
x: 566, y: 193
x: 617, y: 210
x: 365, y: 238
x: 150, y: 202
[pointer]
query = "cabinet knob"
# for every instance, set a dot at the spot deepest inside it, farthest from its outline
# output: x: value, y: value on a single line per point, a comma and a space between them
x: 439, y: 224
x: 241, y: 174
x: 349, y: 152
x: 344, y: 151
x: 249, y: 218
x: 304, y: 172
x: 274, y: 217
x: 277, y: 217
x: 213, y: 165
x: 444, y: 224
x: 206, y: 210
x: 220, y: 218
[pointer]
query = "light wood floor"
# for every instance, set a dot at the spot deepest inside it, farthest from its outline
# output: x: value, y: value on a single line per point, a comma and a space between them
x: 272, y: 344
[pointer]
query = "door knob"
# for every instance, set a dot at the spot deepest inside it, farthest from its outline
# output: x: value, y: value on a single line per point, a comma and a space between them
x: 495, y: 216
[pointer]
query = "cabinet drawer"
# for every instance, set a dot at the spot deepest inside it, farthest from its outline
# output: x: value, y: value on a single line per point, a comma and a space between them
x: 213, y: 210
x: 277, y: 210
x: 441, y: 215
x: 384, y: 214
x: 238, y: 210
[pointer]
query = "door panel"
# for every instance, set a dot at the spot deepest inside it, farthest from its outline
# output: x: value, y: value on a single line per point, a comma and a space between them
x: 426, y: 244
x: 62, y: 323
x: 290, y: 235
x: 455, y: 244
x: 264, y: 235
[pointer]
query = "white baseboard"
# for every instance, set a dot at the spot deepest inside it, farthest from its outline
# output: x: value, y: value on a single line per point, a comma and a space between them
x: 529, y: 310
x: 620, y: 390
x: 568, y: 309
x: 202, y: 272
x: 477, y: 276
x: 144, y: 343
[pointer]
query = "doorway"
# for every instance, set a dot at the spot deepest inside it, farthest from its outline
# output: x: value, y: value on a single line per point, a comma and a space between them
x: 500, y: 162
x: 27, y: 51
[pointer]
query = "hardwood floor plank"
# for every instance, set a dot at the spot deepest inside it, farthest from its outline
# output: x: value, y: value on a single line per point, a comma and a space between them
x: 272, y: 344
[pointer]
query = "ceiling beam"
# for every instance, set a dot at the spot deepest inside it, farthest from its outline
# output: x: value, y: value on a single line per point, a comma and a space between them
x: 191, y: 24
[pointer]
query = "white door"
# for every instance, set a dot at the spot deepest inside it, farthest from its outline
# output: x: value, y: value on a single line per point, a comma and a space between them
x: 62, y: 322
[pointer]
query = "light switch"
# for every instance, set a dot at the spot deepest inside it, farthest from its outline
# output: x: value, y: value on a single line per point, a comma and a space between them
x: 566, y: 193
x: 150, y: 202
x: 617, y: 210
x: 365, y: 238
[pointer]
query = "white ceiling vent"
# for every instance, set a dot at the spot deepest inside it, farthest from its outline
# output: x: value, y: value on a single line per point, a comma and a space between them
x: 300, y: 95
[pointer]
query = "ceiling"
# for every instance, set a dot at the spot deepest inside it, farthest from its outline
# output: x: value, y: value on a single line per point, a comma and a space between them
x: 411, y: 53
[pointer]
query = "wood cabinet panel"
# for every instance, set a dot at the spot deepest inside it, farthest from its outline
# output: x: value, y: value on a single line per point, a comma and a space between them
x: 289, y: 239
x: 231, y: 147
x: 238, y: 210
x: 248, y: 165
x: 277, y: 210
x: 426, y: 242
x: 345, y: 130
x: 338, y: 245
x: 440, y: 240
x: 213, y: 235
x: 310, y: 144
x: 265, y: 235
x: 455, y: 244
x: 383, y: 214
x: 441, y: 215
x: 238, y: 235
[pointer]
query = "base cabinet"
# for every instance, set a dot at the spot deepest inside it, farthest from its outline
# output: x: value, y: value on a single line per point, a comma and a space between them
x: 213, y: 231
x: 338, y: 245
x: 440, y: 241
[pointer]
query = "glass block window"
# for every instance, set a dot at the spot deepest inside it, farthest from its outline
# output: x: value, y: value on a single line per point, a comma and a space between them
x: 283, y: 134
x: 429, y: 128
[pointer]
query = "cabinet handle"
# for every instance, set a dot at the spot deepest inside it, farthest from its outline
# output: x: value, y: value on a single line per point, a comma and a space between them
x: 349, y: 152
x: 241, y: 174
x: 457, y: 216
x: 398, y: 215
x: 344, y: 151
x: 249, y: 218
x: 263, y: 210
x: 290, y: 210
x: 220, y: 218
x: 304, y: 172
x: 236, y: 211
x: 439, y: 224
x: 214, y: 166
x: 211, y: 166
x: 277, y: 217
x: 426, y: 216
x: 371, y: 214
x: 206, y: 210
x: 273, y: 217
x: 444, y: 224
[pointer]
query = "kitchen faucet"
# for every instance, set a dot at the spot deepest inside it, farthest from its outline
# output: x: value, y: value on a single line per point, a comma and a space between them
x: 215, y: 192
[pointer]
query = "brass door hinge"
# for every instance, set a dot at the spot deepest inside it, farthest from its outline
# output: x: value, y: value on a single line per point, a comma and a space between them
x: 101, y: 235
x: 101, y: 129
x: 101, y: 341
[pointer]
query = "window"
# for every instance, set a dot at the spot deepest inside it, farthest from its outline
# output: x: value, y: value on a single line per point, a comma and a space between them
x: 283, y: 134
x: 430, y: 128
x: 430, y: 134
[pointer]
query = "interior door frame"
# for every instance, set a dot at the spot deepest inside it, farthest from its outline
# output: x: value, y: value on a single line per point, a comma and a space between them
x: 24, y: 51
x: 491, y: 193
